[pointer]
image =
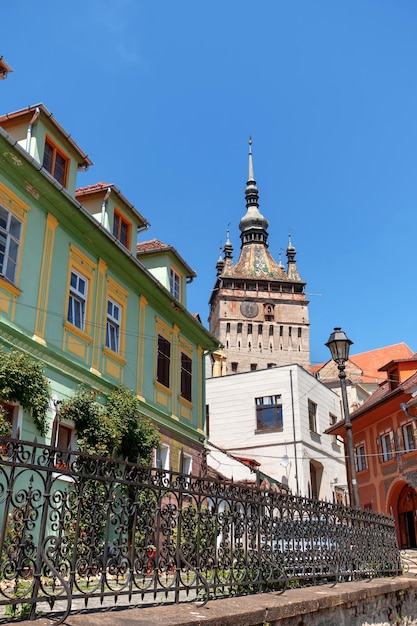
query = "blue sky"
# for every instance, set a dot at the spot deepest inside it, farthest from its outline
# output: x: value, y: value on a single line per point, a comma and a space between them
x: 164, y: 95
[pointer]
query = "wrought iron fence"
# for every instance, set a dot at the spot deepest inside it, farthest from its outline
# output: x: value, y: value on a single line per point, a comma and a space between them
x: 81, y: 531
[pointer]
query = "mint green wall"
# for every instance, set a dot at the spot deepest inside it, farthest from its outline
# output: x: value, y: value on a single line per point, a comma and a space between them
x: 64, y: 369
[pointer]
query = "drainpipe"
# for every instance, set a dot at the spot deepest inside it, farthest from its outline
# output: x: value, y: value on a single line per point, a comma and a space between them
x: 31, y: 123
x: 294, y: 437
x: 409, y: 405
x: 104, y: 205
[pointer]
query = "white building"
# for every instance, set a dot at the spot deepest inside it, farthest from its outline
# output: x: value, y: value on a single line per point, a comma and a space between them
x: 277, y: 418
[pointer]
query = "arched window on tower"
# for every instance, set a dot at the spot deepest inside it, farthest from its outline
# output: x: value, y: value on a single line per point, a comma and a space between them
x: 269, y: 313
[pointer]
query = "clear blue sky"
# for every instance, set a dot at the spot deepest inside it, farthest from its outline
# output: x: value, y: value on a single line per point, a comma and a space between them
x: 163, y: 96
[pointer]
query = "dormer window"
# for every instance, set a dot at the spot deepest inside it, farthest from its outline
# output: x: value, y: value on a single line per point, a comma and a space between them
x: 55, y: 162
x: 121, y: 229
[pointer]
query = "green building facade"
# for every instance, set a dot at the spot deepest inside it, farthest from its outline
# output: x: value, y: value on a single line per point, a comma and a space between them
x: 78, y: 293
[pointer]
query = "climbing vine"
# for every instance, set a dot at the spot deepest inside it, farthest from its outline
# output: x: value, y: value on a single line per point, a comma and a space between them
x: 22, y: 380
x: 118, y: 425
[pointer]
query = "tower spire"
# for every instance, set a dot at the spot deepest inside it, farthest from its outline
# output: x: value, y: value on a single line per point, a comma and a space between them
x: 253, y: 225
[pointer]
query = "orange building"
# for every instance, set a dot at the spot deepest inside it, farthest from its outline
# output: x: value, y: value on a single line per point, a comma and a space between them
x: 385, y: 446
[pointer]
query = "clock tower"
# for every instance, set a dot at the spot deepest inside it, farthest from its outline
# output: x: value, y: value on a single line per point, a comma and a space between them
x: 258, y: 307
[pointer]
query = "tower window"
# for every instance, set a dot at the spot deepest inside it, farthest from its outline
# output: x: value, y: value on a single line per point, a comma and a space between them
x: 260, y: 329
x: 234, y: 366
x: 239, y: 327
x: 249, y: 329
x: 281, y: 331
x: 253, y: 367
x: 228, y: 327
x: 299, y: 332
x: 271, y: 331
x: 289, y: 331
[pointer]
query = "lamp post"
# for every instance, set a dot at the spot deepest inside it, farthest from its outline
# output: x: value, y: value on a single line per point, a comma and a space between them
x: 339, y: 344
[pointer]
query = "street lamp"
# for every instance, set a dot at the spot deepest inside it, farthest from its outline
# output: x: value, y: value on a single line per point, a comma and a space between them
x: 339, y: 345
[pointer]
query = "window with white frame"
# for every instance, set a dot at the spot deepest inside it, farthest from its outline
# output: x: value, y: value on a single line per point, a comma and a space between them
x: 114, y: 314
x: 186, y: 463
x: 268, y: 412
x: 175, y: 284
x: 10, y: 235
x: 386, y: 445
x: 312, y: 416
x: 162, y: 457
x: 77, y: 300
x: 360, y: 456
x: 408, y: 436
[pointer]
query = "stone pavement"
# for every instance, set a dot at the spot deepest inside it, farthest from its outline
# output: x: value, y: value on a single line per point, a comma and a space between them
x: 256, y: 610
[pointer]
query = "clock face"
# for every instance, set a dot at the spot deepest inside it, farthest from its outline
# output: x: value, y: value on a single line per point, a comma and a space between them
x: 249, y: 309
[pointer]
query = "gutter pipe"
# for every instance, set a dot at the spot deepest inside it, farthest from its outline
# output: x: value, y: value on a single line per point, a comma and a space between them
x: 29, y: 132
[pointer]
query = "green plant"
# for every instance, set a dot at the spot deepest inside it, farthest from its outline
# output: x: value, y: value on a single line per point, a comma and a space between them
x: 117, y: 425
x: 22, y: 380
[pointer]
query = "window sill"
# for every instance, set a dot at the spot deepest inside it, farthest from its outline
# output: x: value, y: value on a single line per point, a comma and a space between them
x: 186, y: 402
x: 162, y: 387
x: 276, y: 429
x: 77, y: 331
x: 114, y: 355
x: 10, y: 287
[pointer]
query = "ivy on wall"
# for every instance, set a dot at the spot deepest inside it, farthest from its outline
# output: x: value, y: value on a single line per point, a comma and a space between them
x: 22, y: 380
x: 118, y: 425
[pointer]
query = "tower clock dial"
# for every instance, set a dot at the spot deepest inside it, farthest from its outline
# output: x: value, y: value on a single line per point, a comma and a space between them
x: 249, y: 309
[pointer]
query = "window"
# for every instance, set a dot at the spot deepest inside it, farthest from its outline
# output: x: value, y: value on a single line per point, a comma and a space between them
x: 10, y: 233
x: 234, y: 366
x: 77, y: 300
x: 175, y: 284
x: 253, y: 367
x: 239, y: 327
x: 55, y: 162
x: 268, y: 412
x: 289, y: 331
x: 360, y: 458
x: 299, y: 333
x: 228, y: 327
x: 113, y: 326
x: 281, y: 331
x: 260, y: 329
x: 271, y: 331
x: 386, y: 445
x: 408, y: 436
x: 121, y: 229
x: 163, y: 361
x: 186, y: 376
x: 185, y: 468
x: 332, y: 422
x: 269, y: 365
x: 312, y: 416
x: 249, y: 329
x: 162, y: 457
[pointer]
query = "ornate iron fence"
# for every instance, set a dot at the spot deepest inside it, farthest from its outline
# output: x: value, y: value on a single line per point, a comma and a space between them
x: 80, y: 531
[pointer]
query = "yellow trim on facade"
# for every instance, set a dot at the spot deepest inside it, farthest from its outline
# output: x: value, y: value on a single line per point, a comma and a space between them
x: 141, y: 343
x: 45, y: 277
x: 98, y: 331
x: 20, y: 209
x: 75, y: 340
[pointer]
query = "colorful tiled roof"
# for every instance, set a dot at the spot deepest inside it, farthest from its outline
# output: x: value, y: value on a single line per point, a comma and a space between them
x: 255, y: 261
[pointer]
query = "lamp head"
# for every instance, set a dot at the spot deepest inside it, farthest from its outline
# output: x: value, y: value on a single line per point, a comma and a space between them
x: 339, y: 344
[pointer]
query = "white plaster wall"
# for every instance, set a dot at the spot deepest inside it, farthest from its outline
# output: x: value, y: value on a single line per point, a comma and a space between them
x: 232, y: 415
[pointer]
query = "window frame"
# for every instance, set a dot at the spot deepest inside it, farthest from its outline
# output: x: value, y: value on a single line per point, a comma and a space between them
x: 52, y: 166
x: 360, y: 458
x: 186, y: 376
x: 163, y: 360
x: 10, y: 241
x: 162, y: 462
x: 120, y: 222
x: 387, y: 450
x: 175, y: 283
x: 408, y: 434
x: 113, y: 324
x: 273, y: 406
x: 312, y: 415
x: 75, y: 296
